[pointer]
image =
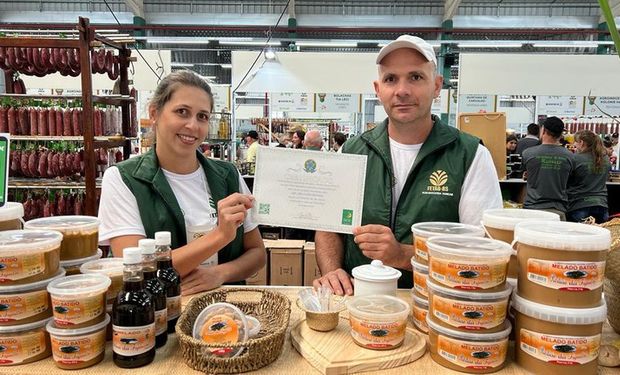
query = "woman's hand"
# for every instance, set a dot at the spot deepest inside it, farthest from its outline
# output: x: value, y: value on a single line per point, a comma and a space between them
x: 231, y: 212
x: 201, y: 279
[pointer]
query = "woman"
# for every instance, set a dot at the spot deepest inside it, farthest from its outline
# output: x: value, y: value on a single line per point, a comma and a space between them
x: 587, y: 189
x: 298, y: 138
x: 511, y: 144
x: 173, y: 186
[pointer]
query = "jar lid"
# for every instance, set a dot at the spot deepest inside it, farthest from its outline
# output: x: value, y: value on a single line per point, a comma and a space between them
x: 52, y: 329
x: 79, y: 284
x: 563, y: 235
x: 375, y: 271
x: 24, y: 327
x: 418, y: 299
x: 464, y: 246
x: 11, y: 211
x: 41, y: 284
x: 560, y: 315
x: 76, y: 262
x: 419, y: 266
x: 65, y: 224
x: 507, y: 218
x: 470, y: 336
x: 222, y: 315
x: 470, y: 295
x: 434, y: 228
x: 378, y: 306
x: 25, y: 242
x: 105, y: 266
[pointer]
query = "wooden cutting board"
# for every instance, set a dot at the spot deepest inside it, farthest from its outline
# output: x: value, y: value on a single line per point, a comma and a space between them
x: 335, y: 352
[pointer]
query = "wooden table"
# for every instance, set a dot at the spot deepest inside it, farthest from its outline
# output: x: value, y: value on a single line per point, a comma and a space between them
x: 168, y: 360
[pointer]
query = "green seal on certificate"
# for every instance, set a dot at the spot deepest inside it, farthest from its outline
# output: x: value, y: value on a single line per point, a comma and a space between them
x: 347, y: 217
x: 263, y: 208
x: 310, y: 166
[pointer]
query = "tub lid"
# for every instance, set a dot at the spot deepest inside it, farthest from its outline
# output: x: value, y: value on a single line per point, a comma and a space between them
x: 12, y: 289
x: 375, y: 271
x: 11, y: 211
x: 223, y: 309
x: 28, y: 241
x: 52, y: 329
x: 461, y: 246
x: 470, y: 294
x: 433, y: 228
x: 418, y: 299
x: 563, y: 235
x: 106, y: 266
x: 79, y: 284
x: 507, y: 218
x: 71, y: 223
x: 480, y: 337
x: 378, y: 305
x: 560, y: 315
x: 24, y: 327
x: 422, y: 267
x: 77, y: 262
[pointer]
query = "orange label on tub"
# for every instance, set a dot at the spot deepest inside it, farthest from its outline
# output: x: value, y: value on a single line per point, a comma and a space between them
x: 173, y: 304
x: 469, y: 315
x: 473, y: 355
x: 419, y: 318
x: 19, y: 348
x: 378, y: 335
x: 560, y: 350
x: 130, y: 341
x: 468, y: 276
x: 23, y: 306
x: 71, y: 351
x: 419, y: 283
x: 69, y: 311
x: 161, y: 321
x: 569, y: 276
x: 421, y: 250
x: 20, y: 267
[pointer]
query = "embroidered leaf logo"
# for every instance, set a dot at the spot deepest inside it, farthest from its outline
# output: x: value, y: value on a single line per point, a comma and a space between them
x: 439, y: 178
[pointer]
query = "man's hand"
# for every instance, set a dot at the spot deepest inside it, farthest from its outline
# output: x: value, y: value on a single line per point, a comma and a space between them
x: 338, y: 281
x: 378, y: 242
x: 231, y: 212
x: 201, y: 279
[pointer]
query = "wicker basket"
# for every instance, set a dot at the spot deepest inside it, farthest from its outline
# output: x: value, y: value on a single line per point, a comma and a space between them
x: 612, y: 275
x: 271, y: 308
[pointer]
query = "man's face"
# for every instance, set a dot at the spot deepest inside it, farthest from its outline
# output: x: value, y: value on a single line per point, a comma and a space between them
x: 406, y: 86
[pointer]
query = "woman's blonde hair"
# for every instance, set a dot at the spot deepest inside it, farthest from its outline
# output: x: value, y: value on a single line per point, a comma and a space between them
x: 594, y: 145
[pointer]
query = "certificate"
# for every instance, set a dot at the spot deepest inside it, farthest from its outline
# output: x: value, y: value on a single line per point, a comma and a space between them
x: 309, y: 189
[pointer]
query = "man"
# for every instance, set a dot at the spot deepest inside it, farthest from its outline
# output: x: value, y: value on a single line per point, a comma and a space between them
x: 339, y: 140
x: 548, y: 167
x: 313, y: 140
x: 530, y: 140
x: 252, y: 141
x: 418, y: 169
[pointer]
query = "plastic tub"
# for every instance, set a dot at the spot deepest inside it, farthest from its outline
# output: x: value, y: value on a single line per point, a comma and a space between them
x: 24, y: 343
x: 378, y: 321
x: 11, y: 216
x: 79, y: 300
x: 78, y: 348
x: 222, y: 323
x: 27, y: 256
x: 112, y: 268
x: 419, y: 311
x: 73, y: 266
x: 561, y: 264
x: 423, y: 231
x: 553, y: 340
x: 499, y: 224
x: 80, y: 234
x: 23, y: 304
x: 473, y: 353
x: 468, y: 310
x: 420, y: 278
x: 468, y: 263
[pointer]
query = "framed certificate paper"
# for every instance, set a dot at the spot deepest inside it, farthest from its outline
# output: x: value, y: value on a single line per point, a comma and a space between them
x: 309, y: 189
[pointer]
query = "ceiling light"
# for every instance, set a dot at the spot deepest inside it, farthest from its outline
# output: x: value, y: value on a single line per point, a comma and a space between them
x: 327, y: 43
x: 567, y: 44
x: 493, y: 44
x: 270, y: 54
x: 226, y: 66
x: 250, y: 43
x: 180, y: 65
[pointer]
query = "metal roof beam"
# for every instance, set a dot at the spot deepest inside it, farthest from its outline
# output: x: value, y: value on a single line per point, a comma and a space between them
x: 450, y: 8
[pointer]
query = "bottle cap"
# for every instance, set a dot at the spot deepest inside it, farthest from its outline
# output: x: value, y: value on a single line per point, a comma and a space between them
x: 162, y: 238
x: 132, y: 255
x: 147, y: 246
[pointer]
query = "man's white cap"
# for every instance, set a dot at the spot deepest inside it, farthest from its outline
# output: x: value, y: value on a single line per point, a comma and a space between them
x: 409, y: 41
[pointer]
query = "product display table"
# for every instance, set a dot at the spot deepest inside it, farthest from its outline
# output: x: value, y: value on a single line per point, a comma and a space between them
x: 168, y: 360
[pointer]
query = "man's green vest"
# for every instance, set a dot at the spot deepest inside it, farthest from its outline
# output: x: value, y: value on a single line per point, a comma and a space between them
x: 159, y: 209
x: 431, y: 193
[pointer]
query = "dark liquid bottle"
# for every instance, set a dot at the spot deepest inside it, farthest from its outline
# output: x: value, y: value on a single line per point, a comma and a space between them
x: 157, y: 288
x: 133, y: 316
x: 170, y: 277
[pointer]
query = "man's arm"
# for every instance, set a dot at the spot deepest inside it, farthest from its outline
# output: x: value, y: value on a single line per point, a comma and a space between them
x: 329, y: 257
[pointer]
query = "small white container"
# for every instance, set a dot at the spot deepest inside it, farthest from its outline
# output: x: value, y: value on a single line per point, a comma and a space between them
x: 375, y: 278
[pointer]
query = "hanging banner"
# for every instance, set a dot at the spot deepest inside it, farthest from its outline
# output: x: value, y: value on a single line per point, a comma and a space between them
x: 291, y: 102
x: 607, y: 104
x: 338, y: 103
x: 476, y: 103
x: 561, y: 106
x: 221, y: 98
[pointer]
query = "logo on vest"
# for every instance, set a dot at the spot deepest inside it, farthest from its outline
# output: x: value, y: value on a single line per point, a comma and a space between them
x: 437, y: 184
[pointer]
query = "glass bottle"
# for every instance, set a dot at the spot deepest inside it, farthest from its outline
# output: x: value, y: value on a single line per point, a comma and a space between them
x: 169, y: 276
x: 157, y: 288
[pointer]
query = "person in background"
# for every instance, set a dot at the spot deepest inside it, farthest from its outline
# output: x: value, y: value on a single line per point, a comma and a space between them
x: 611, y: 153
x: 339, y: 140
x: 173, y: 186
x: 418, y: 169
x: 531, y: 139
x: 511, y: 144
x: 548, y: 167
x: 313, y: 140
x: 298, y: 138
x: 252, y: 141
x: 587, y: 185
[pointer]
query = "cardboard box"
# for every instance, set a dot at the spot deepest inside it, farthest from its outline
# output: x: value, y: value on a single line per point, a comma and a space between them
x: 311, y: 268
x: 285, y: 262
x: 259, y: 278
x: 491, y: 129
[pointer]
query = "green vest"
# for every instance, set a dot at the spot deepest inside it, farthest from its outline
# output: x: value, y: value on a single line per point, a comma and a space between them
x: 159, y: 209
x: 432, y: 191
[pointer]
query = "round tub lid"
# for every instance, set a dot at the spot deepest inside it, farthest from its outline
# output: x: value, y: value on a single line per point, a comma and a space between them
x: 28, y: 241
x: 378, y: 306
x: 562, y: 235
x: 11, y: 211
x: 560, y: 315
x: 72, y: 223
x: 105, y: 266
x: 77, y: 262
x: 376, y: 271
x: 79, y: 284
x: 434, y: 228
x: 461, y: 246
x: 507, y: 218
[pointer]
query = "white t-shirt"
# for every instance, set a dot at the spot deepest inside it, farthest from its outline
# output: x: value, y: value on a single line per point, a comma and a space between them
x: 118, y: 207
x: 480, y: 189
